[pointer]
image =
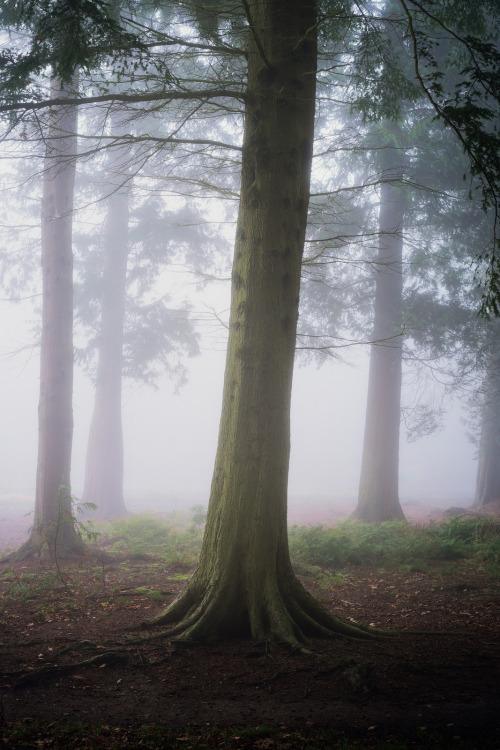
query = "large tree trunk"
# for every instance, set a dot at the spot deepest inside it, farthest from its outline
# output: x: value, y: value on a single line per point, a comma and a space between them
x: 104, y: 464
x: 53, y: 532
x: 378, y: 498
x: 488, y: 470
x: 244, y: 584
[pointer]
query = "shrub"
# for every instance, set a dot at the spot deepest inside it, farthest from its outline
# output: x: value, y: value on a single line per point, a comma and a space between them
x: 146, y: 534
x: 396, y: 543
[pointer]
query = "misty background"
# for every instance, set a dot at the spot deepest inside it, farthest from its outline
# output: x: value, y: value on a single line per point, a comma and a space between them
x: 170, y: 432
x: 170, y: 438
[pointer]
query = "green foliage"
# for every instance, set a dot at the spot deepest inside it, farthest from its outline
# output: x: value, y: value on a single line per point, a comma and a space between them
x: 444, y: 57
x: 396, y: 544
x: 69, y: 508
x: 66, y: 34
x: 157, y: 596
x: 389, y: 544
x: 145, y: 534
x: 85, y: 529
x: 199, y: 516
x: 24, y: 586
x: 325, y: 579
x: 158, y: 333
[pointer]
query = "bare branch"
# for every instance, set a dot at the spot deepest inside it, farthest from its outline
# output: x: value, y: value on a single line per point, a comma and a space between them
x: 160, y: 96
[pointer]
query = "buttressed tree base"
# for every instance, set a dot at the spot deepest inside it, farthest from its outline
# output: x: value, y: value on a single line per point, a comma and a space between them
x: 244, y: 584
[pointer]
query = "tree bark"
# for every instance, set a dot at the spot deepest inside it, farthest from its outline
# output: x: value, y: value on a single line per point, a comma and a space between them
x: 244, y: 584
x: 53, y: 531
x: 378, y: 497
x: 488, y: 470
x: 103, y: 484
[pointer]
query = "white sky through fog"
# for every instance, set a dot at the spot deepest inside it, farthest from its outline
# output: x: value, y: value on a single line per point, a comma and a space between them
x: 170, y: 439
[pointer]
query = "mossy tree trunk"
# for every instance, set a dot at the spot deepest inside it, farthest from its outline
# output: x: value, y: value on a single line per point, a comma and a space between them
x: 103, y: 484
x: 488, y: 469
x: 378, y: 497
x: 244, y: 584
x: 53, y: 531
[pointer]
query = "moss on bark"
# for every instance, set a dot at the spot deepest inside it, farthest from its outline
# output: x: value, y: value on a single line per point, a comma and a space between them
x: 244, y: 584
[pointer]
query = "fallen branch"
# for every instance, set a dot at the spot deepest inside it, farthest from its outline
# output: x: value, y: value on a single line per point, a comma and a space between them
x: 108, y: 657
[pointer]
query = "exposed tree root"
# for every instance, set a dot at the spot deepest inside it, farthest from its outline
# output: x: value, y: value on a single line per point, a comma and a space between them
x: 108, y: 657
x: 78, y: 645
x: 286, y: 614
x: 36, y: 549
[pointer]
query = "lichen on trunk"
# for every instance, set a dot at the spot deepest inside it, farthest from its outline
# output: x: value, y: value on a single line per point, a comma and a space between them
x: 244, y: 584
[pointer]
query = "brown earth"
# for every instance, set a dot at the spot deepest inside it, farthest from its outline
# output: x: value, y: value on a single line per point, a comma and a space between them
x: 434, y: 689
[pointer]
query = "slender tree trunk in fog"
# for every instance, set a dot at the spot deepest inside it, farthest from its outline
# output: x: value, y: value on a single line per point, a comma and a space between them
x: 488, y: 469
x: 244, y: 584
x: 53, y: 531
x: 378, y: 498
x: 104, y: 464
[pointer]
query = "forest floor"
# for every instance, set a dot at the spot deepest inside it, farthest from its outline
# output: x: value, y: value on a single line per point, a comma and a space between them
x: 71, y: 673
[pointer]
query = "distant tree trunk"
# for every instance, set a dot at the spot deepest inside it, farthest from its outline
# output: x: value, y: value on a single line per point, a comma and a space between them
x: 244, y: 584
x: 104, y: 464
x: 53, y: 530
x: 488, y: 470
x: 378, y: 498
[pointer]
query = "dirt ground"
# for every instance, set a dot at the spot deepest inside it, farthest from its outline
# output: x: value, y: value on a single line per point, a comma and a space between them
x: 69, y: 653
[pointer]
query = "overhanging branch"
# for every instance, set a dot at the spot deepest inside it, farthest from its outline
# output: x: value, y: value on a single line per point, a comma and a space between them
x: 160, y: 96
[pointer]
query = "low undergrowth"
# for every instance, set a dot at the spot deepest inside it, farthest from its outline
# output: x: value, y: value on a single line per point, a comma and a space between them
x: 175, y: 540
x: 390, y: 545
x: 397, y: 544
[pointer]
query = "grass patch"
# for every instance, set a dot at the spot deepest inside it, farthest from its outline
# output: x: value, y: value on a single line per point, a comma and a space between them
x: 144, y: 535
x: 24, y: 586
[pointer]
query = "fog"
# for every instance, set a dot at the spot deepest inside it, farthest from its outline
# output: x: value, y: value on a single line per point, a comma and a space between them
x: 170, y: 438
x: 181, y: 211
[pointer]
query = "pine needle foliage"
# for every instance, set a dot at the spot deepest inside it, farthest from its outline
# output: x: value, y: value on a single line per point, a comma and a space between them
x: 65, y: 34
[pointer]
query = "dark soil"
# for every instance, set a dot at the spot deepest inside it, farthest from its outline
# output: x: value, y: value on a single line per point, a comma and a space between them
x: 439, y: 688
